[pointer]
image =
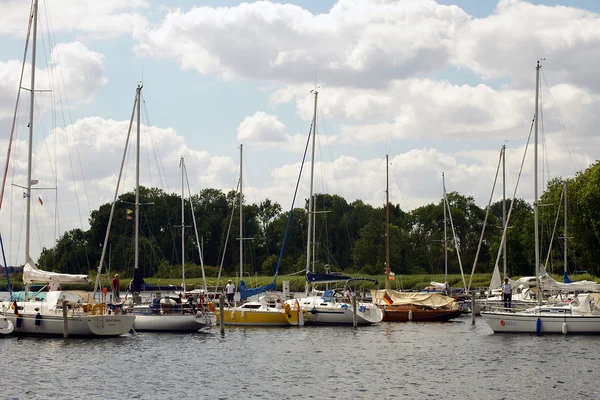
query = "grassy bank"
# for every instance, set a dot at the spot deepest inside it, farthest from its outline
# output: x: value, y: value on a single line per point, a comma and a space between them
x: 401, y: 282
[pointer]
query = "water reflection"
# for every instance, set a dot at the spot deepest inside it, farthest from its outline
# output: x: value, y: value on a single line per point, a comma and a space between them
x: 410, y: 360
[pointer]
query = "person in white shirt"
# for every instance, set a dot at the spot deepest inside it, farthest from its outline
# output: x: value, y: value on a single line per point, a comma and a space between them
x: 230, y: 290
x: 507, y: 293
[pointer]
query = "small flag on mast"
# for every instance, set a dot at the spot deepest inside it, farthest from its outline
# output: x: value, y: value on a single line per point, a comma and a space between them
x: 41, y: 202
x: 129, y: 217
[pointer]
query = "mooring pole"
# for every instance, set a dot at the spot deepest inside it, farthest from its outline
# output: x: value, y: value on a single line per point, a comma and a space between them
x: 221, y: 313
x: 473, y: 305
x: 354, y: 316
x: 65, y: 321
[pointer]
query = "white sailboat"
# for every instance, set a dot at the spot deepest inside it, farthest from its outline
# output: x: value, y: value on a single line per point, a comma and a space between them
x: 57, y: 312
x: 330, y: 307
x: 582, y: 315
x: 162, y: 314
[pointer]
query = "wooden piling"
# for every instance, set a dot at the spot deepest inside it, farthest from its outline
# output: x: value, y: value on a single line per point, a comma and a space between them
x: 473, y: 305
x: 221, y: 313
x: 354, y: 316
x: 65, y: 311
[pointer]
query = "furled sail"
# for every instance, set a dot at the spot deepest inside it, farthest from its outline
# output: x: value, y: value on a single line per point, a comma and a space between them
x: 31, y: 274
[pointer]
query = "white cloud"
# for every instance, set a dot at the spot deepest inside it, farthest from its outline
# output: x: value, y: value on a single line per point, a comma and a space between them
x: 74, y: 69
x: 106, y: 19
x: 507, y: 43
x: 355, y: 44
x: 262, y: 127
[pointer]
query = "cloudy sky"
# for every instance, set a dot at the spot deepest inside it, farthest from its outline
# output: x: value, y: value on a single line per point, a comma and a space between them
x: 440, y: 86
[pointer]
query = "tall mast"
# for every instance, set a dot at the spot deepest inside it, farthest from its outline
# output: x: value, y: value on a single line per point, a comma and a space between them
x: 182, y: 224
x: 137, y: 182
x: 445, y: 233
x: 387, y: 224
x: 504, y: 207
x: 566, y: 236
x: 30, y: 149
x: 241, y: 220
x: 535, y: 183
x: 310, y: 196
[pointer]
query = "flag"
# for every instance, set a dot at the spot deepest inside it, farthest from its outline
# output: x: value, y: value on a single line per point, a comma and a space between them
x: 388, y: 300
x: 41, y: 202
x: 129, y: 217
x: 25, y: 195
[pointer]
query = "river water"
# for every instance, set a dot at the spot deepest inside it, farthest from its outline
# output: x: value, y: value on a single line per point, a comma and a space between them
x: 403, y: 360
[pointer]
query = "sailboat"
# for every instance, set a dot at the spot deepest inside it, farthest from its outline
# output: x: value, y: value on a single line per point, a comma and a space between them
x: 164, y: 313
x: 267, y: 310
x: 581, y: 315
x: 411, y: 306
x: 331, y: 307
x: 56, y: 312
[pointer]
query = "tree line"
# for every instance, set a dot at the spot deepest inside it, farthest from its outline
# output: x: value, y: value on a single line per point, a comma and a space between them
x: 349, y: 237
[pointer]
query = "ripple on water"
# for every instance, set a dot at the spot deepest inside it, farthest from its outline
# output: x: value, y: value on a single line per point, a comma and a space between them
x: 409, y: 360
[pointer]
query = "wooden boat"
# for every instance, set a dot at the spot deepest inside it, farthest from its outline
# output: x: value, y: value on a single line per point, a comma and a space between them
x: 415, y: 306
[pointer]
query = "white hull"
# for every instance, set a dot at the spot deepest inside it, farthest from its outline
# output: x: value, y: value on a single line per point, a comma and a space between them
x: 526, y: 322
x: 77, y: 325
x: 318, y: 312
x: 173, y: 322
x: 84, y: 318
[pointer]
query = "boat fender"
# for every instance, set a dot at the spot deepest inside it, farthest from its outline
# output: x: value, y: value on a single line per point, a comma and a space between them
x: 38, y: 319
x: 564, y: 328
x: 313, y: 311
x: 243, y: 313
x: 6, y: 327
x: 287, y: 308
x: 211, y: 306
x: 19, y: 321
x: 98, y: 309
x: 538, y: 325
x: 410, y: 315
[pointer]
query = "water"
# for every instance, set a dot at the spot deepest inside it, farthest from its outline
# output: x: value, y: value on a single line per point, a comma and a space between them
x: 404, y: 360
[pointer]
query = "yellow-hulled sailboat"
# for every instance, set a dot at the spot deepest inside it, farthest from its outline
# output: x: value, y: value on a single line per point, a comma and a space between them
x: 268, y: 310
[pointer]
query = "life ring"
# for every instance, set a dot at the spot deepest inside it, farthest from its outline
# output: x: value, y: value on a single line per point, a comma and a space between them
x: 98, y: 308
x: 287, y: 308
x: 211, y: 306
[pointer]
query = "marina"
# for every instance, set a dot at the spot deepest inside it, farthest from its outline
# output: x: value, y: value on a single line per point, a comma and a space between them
x: 142, y: 259
x: 401, y: 360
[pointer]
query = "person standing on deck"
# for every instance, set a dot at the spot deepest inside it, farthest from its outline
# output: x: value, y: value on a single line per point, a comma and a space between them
x: 507, y: 293
x: 115, y: 284
x: 230, y: 291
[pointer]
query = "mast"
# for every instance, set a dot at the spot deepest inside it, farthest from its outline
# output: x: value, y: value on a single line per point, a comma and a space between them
x: 182, y: 224
x: 30, y: 145
x: 504, y: 208
x: 241, y: 220
x: 445, y: 233
x: 535, y: 182
x: 137, y: 182
x: 565, y: 251
x: 310, y: 196
x: 387, y: 223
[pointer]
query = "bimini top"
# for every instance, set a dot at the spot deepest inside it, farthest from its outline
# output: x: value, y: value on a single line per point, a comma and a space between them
x: 31, y: 274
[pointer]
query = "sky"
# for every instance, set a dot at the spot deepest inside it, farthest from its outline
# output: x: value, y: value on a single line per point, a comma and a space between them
x: 440, y: 86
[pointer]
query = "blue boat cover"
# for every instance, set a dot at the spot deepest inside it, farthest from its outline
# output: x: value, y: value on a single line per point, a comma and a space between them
x: 246, y: 292
x: 313, y: 277
x: 566, y: 278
